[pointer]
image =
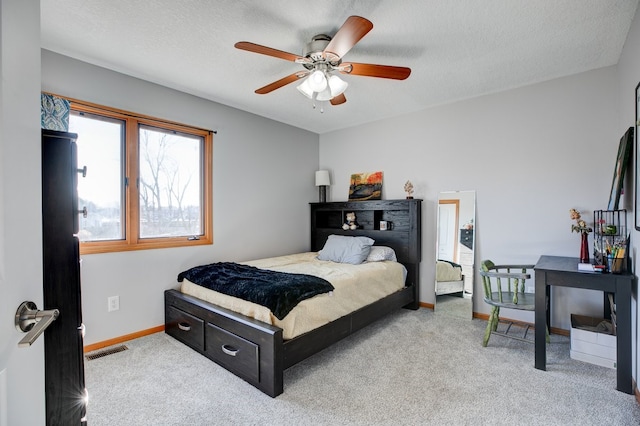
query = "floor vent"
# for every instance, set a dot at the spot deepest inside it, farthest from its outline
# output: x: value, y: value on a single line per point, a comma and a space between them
x: 110, y: 351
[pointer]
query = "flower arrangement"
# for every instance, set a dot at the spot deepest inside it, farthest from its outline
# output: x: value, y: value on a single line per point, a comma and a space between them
x: 580, y: 226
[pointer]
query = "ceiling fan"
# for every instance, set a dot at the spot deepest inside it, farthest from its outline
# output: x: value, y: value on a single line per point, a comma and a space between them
x: 322, y: 60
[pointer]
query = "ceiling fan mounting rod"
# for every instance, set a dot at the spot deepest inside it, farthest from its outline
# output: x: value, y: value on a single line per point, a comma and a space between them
x: 316, y: 46
x: 315, y: 51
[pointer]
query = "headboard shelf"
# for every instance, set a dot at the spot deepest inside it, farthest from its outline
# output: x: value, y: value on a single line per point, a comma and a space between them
x: 404, y: 217
x: 404, y: 237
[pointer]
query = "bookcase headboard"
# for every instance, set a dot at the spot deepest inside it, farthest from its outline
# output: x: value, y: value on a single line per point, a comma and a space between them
x: 402, y: 216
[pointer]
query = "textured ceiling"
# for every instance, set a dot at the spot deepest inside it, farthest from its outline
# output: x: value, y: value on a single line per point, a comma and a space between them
x: 456, y: 49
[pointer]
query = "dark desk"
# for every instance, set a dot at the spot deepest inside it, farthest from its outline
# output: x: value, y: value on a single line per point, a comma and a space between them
x: 563, y: 271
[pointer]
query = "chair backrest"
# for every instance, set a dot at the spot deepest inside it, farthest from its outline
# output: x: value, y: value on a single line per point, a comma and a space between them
x: 514, y: 276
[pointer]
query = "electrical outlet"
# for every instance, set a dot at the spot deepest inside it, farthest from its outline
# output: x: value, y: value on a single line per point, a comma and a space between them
x: 113, y: 303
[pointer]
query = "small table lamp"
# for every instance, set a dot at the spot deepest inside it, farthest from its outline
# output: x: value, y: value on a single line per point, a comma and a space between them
x: 322, y: 181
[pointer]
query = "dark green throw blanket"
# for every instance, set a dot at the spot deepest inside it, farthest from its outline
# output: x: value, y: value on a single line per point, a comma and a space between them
x: 278, y: 291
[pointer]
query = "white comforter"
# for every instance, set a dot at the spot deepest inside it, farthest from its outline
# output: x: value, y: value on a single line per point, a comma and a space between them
x: 355, y: 286
x: 447, y: 272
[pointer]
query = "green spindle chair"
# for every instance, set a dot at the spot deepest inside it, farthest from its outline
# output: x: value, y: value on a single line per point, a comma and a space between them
x: 504, y: 287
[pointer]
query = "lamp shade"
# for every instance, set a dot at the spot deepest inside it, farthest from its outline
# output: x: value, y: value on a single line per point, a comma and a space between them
x: 317, y: 81
x: 325, y: 95
x: 337, y: 85
x: 322, y: 178
x: 305, y: 89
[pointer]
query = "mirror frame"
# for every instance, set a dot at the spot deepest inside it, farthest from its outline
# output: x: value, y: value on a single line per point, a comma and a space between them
x: 462, y: 219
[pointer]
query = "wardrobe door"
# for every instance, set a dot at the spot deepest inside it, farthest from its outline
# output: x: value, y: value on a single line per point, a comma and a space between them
x: 64, y: 363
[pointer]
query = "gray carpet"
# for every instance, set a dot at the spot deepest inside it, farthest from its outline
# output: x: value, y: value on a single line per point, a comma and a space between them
x: 454, y: 305
x: 413, y: 367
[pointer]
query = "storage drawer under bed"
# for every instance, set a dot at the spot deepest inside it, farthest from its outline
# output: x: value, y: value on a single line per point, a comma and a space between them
x: 233, y: 352
x: 185, y: 327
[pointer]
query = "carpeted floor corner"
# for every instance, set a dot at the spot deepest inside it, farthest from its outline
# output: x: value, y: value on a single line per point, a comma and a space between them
x: 412, y: 367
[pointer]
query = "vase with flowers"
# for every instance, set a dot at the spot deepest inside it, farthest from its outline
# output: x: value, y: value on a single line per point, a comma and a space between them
x: 583, y: 229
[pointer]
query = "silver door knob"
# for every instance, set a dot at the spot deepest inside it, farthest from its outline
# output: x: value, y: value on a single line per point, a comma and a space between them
x: 33, y: 322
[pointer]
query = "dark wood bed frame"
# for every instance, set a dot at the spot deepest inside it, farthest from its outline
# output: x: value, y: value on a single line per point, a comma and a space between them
x: 256, y: 351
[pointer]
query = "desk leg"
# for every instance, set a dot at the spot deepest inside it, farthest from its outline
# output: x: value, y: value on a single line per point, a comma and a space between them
x: 607, y: 306
x: 541, y: 320
x: 623, y: 338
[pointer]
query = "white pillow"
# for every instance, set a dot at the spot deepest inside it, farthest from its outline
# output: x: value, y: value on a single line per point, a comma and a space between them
x: 380, y: 253
x: 343, y: 249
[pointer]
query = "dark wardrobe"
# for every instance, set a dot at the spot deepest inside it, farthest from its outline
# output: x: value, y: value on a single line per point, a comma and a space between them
x: 64, y: 364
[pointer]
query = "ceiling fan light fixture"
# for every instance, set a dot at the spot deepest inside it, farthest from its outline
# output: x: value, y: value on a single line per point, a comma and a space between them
x: 325, y: 95
x: 305, y: 88
x: 337, y: 85
x: 322, y: 58
x: 317, y: 81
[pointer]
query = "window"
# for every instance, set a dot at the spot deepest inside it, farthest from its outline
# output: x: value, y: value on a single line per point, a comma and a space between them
x: 148, y: 182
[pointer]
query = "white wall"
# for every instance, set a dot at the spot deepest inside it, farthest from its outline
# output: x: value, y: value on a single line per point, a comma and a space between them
x: 260, y: 196
x: 628, y: 79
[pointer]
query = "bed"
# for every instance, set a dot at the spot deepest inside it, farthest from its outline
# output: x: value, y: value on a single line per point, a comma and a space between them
x: 449, y: 278
x: 256, y: 347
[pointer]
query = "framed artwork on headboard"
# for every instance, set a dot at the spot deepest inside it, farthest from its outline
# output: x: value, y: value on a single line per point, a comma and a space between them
x: 624, y: 150
x: 365, y: 186
x: 637, y: 157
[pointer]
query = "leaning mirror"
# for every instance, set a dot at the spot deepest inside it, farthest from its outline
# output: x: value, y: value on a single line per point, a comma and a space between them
x: 455, y: 227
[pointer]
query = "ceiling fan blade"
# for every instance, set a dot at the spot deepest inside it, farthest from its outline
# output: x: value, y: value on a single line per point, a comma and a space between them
x: 373, y: 70
x: 256, y: 48
x: 282, y: 82
x: 353, y: 29
x: 338, y: 100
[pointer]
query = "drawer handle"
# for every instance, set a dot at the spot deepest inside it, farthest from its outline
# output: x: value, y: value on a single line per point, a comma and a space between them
x: 184, y: 326
x: 229, y: 350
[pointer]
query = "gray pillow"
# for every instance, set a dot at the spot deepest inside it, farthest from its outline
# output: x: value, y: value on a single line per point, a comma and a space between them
x: 380, y: 253
x: 343, y: 249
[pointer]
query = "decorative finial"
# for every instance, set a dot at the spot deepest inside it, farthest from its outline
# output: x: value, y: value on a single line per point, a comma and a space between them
x: 408, y: 188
